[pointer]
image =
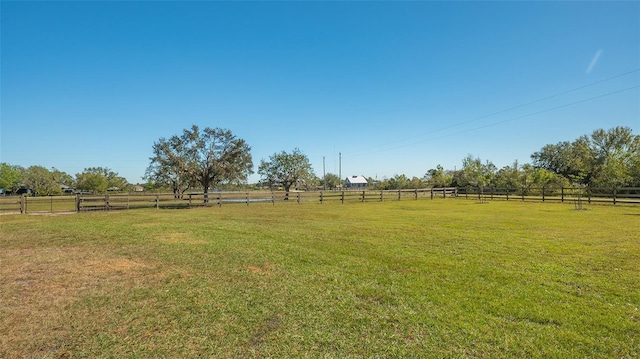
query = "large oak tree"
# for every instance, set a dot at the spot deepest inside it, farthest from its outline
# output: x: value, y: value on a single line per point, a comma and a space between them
x: 207, y: 157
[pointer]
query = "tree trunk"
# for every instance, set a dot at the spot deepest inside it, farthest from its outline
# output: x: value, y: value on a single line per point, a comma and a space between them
x: 176, y: 189
x: 206, y: 195
x: 286, y: 191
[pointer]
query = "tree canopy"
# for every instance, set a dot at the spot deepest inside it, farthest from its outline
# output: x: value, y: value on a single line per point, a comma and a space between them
x: 10, y: 177
x: 286, y: 169
x: 41, y: 180
x: 205, y: 157
x: 475, y: 173
x: 99, y: 180
x: 438, y: 177
x: 606, y: 158
x: 37, y: 178
x: 399, y: 181
x: 168, y: 166
x: 331, y: 181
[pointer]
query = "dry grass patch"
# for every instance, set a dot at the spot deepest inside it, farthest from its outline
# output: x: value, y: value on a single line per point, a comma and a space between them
x: 264, y: 269
x: 180, y: 238
x: 38, y: 285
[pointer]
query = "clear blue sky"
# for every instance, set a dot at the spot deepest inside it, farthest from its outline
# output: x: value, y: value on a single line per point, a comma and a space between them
x: 396, y: 87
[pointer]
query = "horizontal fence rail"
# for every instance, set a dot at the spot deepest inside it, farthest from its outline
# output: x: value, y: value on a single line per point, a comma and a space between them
x: 628, y: 195
x: 10, y: 204
x: 112, y: 202
x: 40, y: 204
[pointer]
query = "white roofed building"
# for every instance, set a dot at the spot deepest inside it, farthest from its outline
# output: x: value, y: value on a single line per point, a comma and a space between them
x: 355, y: 182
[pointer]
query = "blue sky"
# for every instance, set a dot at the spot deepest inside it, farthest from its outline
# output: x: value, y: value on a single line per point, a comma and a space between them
x: 396, y: 87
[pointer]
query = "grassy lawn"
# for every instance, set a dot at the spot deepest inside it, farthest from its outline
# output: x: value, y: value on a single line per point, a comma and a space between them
x: 409, y: 279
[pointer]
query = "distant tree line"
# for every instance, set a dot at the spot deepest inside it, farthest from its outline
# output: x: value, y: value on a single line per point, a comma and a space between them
x: 608, y: 158
x: 214, y: 158
x: 43, y: 181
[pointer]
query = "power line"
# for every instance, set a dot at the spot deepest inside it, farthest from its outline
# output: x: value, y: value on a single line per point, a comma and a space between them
x: 367, y: 149
x: 511, y: 119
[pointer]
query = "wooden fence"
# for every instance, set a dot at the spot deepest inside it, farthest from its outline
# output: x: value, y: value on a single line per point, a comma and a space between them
x: 42, y: 204
x: 629, y: 195
x: 110, y: 202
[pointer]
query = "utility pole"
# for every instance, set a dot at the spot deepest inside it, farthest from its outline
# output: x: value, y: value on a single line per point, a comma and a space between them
x: 340, y: 167
x: 324, y: 175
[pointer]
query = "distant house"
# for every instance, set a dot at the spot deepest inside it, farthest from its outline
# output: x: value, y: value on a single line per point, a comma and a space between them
x: 355, y: 182
x: 138, y: 188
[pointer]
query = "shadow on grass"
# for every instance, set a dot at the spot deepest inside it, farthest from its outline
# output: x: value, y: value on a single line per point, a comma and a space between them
x: 177, y: 206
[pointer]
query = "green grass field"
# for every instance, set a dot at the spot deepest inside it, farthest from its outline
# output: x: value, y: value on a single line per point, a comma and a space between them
x: 411, y: 279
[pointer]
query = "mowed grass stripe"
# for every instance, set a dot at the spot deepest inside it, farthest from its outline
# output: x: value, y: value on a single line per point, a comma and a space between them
x: 441, y: 278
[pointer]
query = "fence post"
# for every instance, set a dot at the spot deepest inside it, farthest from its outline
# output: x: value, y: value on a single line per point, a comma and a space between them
x: 77, y: 203
x: 298, y: 197
x: 614, y: 196
x: 321, y: 194
x: 189, y: 200
x: 106, y: 202
x: 381, y: 195
x: 23, y: 205
x: 157, y: 201
x: 522, y: 194
x: 399, y: 194
x: 562, y: 194
x: 342, y: 197
x: 506, y: 190
x: 542, y: 193
x: 362, y: 196
x: 431, y: 192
